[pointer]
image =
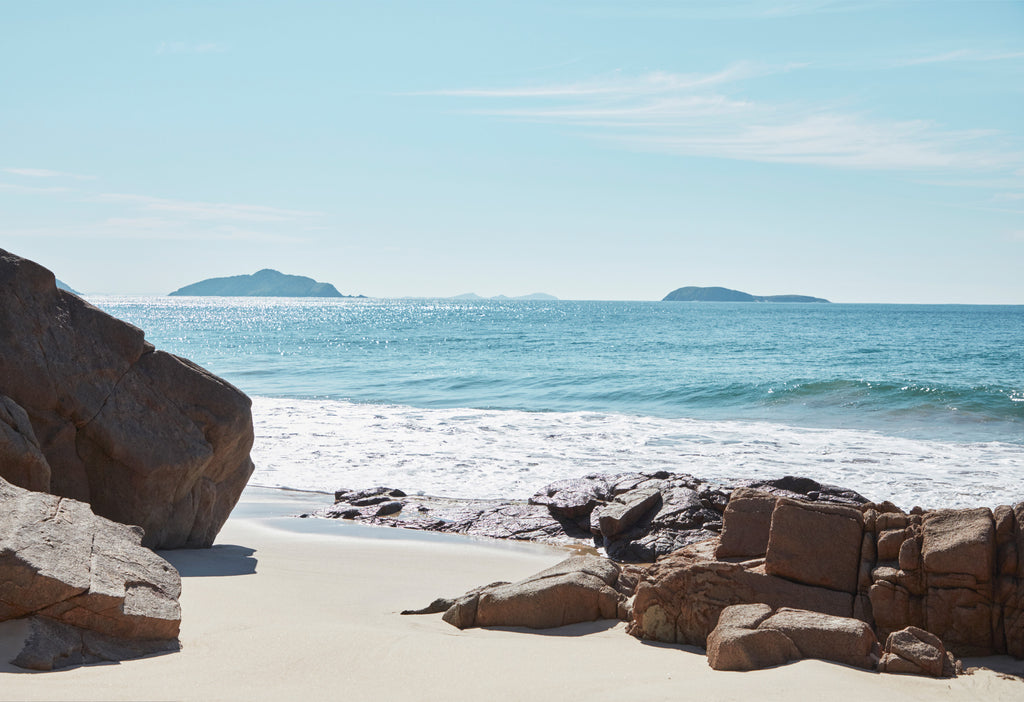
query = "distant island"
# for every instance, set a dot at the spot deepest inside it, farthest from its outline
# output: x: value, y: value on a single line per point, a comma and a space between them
x: 64, y: 286
x: 695, y: 294
x: 264, y: 283
x: 534, y: 296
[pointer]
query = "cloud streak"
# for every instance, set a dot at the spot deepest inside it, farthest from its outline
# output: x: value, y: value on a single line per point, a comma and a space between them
x: 692, y: 115
x: 211, y: 211
x: 963, y: 55
x: 45, y: 173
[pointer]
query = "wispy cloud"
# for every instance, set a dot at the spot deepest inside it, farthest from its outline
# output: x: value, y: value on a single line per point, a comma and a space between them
x: 732, y: 10
x: 620, y: 85
x: 963, y: 55
x: 185, y: 47
x: 45, y: 173
x: 207, y: 210
x: 141, y: 228
x: 18, y: 188
x: 696, y: 115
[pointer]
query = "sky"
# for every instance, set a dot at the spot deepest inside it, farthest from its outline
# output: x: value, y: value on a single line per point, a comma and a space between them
x: 857, y: 150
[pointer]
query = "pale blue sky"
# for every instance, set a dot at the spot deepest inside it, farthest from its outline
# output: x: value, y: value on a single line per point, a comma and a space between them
x: 858, y: 150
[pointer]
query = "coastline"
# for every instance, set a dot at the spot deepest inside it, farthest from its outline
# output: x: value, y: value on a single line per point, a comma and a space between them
x: 284, y: 608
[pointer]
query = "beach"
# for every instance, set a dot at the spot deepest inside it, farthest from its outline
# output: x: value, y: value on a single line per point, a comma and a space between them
x: 286, y: 608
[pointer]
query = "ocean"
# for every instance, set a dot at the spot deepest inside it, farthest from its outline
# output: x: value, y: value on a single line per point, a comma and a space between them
x: 923, y: 405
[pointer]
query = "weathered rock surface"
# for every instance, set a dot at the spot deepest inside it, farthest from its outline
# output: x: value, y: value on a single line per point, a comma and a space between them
x: 632, y: 517
x: 579, y: 589
x: 22, y: 461
x: 917, y: 652
x: 62, y: 564
x: 751, y: 637
x: 143, y: 436
x: 954, y: 573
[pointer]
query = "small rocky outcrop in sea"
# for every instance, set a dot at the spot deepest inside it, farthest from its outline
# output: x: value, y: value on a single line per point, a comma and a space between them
x: 91, y: 411
x: 632, y: 517
x: 85, y: 586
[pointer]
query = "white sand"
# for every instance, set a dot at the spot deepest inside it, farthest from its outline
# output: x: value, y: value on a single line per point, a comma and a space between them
x: 318, y: 619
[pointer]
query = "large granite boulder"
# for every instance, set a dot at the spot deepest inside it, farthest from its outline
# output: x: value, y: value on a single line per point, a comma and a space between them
x: 579, y: 589
x: 93, y: 590
x: 750, y: 637
x: 145, y: 437
x: 955, y: 574
x: 915, y: 651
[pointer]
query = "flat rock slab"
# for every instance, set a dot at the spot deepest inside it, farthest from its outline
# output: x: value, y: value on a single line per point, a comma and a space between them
x: 86, y: 575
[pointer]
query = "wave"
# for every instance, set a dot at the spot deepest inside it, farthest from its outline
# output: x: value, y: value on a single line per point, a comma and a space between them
x: 329, y: 444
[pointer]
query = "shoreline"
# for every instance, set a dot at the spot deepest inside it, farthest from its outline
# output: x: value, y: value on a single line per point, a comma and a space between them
x: 280, y: 609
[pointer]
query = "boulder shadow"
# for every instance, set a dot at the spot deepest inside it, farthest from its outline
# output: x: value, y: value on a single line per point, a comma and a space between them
x: 580, y: 629
x: 1003, y: 666
x: 217, y: 561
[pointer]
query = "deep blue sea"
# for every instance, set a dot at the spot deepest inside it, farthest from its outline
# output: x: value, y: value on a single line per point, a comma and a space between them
x: 919, y: 404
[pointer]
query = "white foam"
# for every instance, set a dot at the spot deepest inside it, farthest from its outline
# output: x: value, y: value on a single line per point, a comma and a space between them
x: 327, y: 444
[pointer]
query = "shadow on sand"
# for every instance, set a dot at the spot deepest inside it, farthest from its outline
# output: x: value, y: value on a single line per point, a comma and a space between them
x: 568, y: 630
x: 218, y: 560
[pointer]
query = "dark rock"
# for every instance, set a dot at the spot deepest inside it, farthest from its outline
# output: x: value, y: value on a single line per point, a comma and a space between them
x: 51, y: 645
x: 624, y: 511
x: 143, y: 436
x: 634, y: 517
x: 22, y: 461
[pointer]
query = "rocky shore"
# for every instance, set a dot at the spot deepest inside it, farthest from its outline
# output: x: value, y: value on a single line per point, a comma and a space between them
x: 108, y: 448
x: 758, y: 573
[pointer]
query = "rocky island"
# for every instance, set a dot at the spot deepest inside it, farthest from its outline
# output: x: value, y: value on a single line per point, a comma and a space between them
x: 716, y: 294
x: 264, y: 283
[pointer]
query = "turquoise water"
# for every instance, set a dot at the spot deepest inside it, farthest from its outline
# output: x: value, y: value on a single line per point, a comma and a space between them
x: 948, y: 377
x: 933, y: 372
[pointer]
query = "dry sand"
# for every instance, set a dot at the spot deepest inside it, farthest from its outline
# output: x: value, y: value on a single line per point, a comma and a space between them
x: 307, y: 609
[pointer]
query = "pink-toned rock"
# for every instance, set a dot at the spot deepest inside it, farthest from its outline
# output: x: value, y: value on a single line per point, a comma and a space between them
x: 915, y: 651
x: 750, y: 637
x: 579, y: 589
x: 815, y: 544
x: 746, y: 523
x: 959, y: 541
x: 145, y: 437
x: 737, y: 644
x: 684, y: 593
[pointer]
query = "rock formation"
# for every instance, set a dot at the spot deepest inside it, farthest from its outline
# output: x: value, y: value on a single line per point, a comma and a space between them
x: 753, y: 636
x: 633, y: 517
x: 579, y: 589
x: 691, y: 293
x: 91, y: 411
x: 264, y: 283
x: 88, y: 587
x: 798, y: 570
x: 954, y: 573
